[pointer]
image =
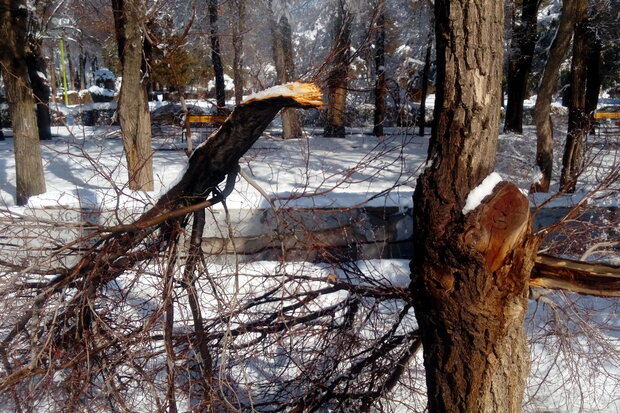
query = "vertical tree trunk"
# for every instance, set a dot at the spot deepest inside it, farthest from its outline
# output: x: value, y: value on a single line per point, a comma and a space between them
x: 522, y: 53
x: 337, y: 80
x: 40, y: 88
x: 28, y: 165
x: 425, y: 75
x: 216, y: 57
x: 542, y: 109
x: 593, y: 75
x: 133, y: 108
x: 285, y: 65
x: 469, y: 274
x: 578, y: 120
x: 380, y: 84
x: 237, y: 43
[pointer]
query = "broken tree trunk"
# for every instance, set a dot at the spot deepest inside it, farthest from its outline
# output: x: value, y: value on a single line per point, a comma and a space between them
x: 120, y: 248
x: 575, y: 276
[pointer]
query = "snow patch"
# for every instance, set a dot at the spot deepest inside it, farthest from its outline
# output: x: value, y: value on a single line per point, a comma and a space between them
x: 477, y: 194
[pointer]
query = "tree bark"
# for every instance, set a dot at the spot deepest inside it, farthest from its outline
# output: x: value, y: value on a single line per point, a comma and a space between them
x: 237, y: 43
x: 337, y: 81
x: 285, y: 65
x: 40, y: 88
x: 133, y: 110
x: 542, y: 108
x: 469, y: 272
x: 425, y: 75
x: 578, y: 121
x: 593, y: 74
x: 380, y: 85
x: 522, y: 49
x: 216, y: 57
x: 28, y: 165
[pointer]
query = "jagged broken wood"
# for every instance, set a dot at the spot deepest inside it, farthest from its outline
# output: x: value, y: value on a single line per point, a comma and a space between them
x: 579, y: 277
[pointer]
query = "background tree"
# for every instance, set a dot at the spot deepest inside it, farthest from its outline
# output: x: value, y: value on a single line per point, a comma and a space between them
x: 337, y: 80
x: 521, y: 54
x: 13, y: 58
x: 216, y: 57
x: 572, y: 12
x: 37, y: 69
x: 238, y: 29
x: 380, y: 82
x: 469, y: 278
x: 578, y: 118
x: 283, y: 58
x: 133, y: 109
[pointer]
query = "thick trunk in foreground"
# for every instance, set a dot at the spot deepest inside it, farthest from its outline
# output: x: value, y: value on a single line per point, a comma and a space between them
x: 28, y: 165
x: 337, y: 81
x: 571, y: 13
x: 522, y: 46
x: 470, y: 272
x: 133, y: 110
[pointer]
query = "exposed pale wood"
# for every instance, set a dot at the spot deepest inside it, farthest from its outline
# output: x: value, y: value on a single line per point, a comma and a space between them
x: 579, y: 277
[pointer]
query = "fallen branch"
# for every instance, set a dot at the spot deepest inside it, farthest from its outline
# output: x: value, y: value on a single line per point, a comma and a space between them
x: 579, y: 277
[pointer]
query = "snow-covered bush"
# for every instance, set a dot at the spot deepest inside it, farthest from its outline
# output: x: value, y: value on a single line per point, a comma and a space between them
x: 105, y: 85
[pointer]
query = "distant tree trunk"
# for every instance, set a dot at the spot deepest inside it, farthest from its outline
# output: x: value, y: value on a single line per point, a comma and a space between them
x: 216, y: 57
x: 578, y: 119
x: 425, y: 75
x: 133, y: 110
x: 593, y: 76
x: 28, y: 165
x: 380, y: 85
x: 470, y: 271
x: 337, y: 81
x: 285, y: 64
x: 522, y: 48
x: 237, y: 43
x: 542, y: 110
x: 40, y: 88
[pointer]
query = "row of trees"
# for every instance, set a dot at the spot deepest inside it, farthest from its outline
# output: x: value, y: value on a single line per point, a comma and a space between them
x: 364, y: 51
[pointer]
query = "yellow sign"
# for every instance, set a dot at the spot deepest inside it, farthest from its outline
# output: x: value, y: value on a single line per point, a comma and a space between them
x: 608, y: 115
x: 207, y: 119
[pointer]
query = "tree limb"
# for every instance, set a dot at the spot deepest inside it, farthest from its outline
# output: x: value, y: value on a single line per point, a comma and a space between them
x: 579, y: 277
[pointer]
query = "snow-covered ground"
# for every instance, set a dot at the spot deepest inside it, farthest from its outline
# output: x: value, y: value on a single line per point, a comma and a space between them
x: 85, y: 166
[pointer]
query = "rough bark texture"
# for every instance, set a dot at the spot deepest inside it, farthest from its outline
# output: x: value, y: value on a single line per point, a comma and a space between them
x: 522, y: 53
x: 578, y: 120
x: 133, y: 110
x: 40, y: 86
x: 216, y: 58
x: 285, y: 67
x: 593, y: 76
x: 542, y: 108
x: 337, y: 81
x: 469, y: 272
x: 28, y: 165
x: 380, y: 85
x: 237, y: 43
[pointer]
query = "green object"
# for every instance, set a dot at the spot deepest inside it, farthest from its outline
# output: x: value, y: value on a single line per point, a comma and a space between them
x: 64, y: 71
